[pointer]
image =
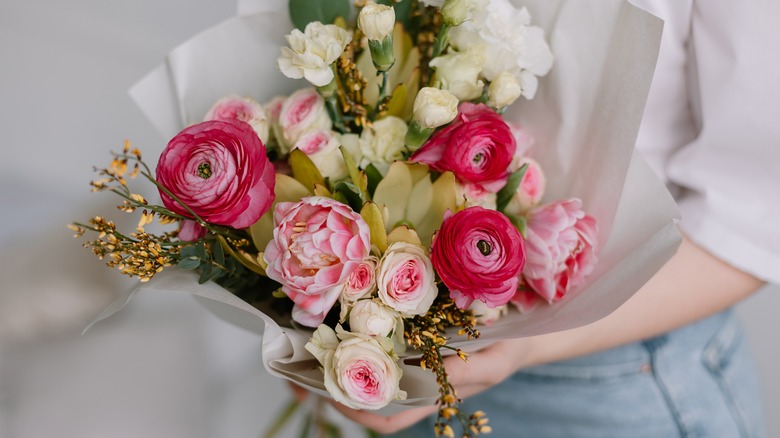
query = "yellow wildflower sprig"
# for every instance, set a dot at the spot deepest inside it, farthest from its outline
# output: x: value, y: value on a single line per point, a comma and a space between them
x: 425, y: 333
x: 139, y: 254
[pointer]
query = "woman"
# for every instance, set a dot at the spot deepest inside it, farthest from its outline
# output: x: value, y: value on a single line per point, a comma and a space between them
x: 671, y: 361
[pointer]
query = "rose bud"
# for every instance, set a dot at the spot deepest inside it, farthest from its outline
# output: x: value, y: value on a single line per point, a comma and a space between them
x: 504, y: 90
x: 479, y: 255
x: 360, y: 284
x: 529, y: 191
x: 244, y: 109
x: 373, y: 318
x: 302, y: 112
x: 561, y: 248
x: 219, y: 170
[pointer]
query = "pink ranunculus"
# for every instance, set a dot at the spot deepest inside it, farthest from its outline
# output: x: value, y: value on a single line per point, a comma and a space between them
x: 318, y: 243
x: 561, y: 248
x: 243, y: 109
x: 220, y: 171
x: 191, y: 231
x: 477, y: 147
x: 479, y: 255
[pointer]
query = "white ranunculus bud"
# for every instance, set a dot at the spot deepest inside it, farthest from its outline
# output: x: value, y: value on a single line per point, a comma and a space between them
x: 373, y: 318
x: 376, y: 21
x: 434, y: 107
x: 312, y: 52
x: 455, y: 12
x: 504, y: 90
x: 458, y: 73
x: 383, y: 143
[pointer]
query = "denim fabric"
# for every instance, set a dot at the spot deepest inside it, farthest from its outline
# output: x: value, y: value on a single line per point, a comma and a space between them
x: 697, y: 381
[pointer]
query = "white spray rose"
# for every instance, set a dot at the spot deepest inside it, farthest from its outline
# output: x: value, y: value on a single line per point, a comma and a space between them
x: 434, y: 107
x: 361, y: 283
x: 406, y: 280
x: 361, y: 372
x: 504, y: 90
x: 302, y: 112
x: 458, y: 73
x: 373, y: 318
x: 312, y: 51
x: 383, y: 143
x: 376, y: 21
x: 510, y: 43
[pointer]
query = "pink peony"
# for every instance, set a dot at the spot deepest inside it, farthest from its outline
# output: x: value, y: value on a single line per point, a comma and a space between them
x: 317, y: 244
x: 477, y: 147
x: 561, y: 249
x: 219, y: 170
x: 479, y: 255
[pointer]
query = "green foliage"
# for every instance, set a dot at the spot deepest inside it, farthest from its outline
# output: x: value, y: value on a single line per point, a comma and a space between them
x: 303, y: 12
x: 505, y: 194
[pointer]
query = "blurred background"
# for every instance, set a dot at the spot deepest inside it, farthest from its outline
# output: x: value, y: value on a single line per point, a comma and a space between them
x: 165, y: 366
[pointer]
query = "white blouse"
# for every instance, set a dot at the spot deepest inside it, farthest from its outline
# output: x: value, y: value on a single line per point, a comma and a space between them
x: 711, y: 128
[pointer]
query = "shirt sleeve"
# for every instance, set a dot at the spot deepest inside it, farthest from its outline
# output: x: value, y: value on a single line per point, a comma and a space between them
x: 730, y: 173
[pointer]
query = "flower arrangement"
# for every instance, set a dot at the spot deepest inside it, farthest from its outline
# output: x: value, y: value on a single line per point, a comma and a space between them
x: 388, y: 206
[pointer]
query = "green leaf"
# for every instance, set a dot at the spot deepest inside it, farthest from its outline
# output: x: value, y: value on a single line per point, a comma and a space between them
x: 519, y: 222
x: 218, y: 253
x: 376, y: 225
x: 374, y: 177
x: 358, y: 178
x: 189, y: 251
x: 303, y: 12
x: 200, y: 250
x: 206, y: 269
x: 304, y: 170
x: 188, y: 263
x: 505, y: 195
x: 351, y: 194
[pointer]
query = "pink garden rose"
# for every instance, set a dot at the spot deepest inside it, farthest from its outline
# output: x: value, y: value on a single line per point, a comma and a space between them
x: 477, y: 147
x: 243, y: 109
x: 220, y: 171
x: 318, y: 243
x: 406, y: 280
x: 302, y: 112
x: 561, y: 249
x: 360, y: 371
x: 479, y: 255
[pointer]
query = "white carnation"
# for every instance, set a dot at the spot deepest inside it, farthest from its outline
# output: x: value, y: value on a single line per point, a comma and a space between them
x: 312, y: 51
x: 383, y: 143
x: 458, y: 73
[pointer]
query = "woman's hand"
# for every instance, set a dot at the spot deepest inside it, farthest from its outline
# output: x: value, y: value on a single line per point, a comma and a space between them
x: 484, y: 369
x: 692, y: 285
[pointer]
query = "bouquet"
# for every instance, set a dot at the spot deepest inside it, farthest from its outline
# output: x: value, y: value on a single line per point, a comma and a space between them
x: 385, y: 209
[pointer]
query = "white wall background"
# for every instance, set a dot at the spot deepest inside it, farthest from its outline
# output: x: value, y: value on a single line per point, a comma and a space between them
x: 164, y: 367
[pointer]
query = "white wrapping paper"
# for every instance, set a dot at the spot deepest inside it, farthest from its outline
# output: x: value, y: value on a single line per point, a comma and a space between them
x: 584, y: 120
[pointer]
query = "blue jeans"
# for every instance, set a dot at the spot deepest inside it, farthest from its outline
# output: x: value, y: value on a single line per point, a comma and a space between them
x: 697, y: 381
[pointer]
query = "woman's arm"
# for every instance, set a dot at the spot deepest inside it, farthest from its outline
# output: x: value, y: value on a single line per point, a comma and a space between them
x: 691, y: 286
